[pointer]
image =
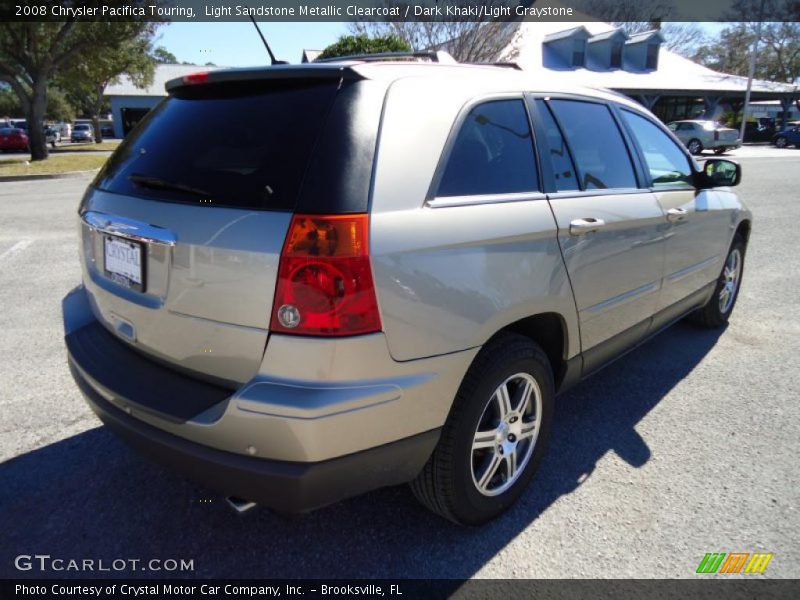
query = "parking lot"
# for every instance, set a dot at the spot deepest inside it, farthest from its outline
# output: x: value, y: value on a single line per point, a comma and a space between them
x: 688, y: 445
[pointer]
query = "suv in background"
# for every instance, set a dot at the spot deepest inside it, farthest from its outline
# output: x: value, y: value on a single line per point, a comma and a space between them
x: 82, y: 132
x: 705, y: 135
x: 386, y: 279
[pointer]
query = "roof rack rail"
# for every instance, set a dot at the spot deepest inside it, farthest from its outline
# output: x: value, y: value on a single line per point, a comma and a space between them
x: 438, y: 56
x: 505, y: 65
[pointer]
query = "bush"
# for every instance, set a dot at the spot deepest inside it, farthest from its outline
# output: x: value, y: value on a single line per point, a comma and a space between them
x: 350, y: 45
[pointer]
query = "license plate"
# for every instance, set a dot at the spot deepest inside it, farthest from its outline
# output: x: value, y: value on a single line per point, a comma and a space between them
x: 124, y: 262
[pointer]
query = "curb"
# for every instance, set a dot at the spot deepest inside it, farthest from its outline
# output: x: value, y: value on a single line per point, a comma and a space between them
x: 67, y: 175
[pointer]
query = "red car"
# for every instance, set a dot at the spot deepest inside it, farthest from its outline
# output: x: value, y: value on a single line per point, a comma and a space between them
x: 13, y: 139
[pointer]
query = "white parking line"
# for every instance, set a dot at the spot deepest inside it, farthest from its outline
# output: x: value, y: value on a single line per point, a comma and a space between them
x: 15, y: 249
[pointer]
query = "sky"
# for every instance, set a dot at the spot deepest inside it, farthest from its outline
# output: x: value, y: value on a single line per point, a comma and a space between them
x: 238, y: 45
x: 229, y: 44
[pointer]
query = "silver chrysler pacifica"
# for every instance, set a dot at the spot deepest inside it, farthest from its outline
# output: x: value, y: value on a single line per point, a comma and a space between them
x: 374, y: 272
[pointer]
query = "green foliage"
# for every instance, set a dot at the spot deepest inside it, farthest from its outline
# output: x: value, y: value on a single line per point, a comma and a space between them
x: 349, y: 45
x: 34, y: 54
x: 778, y: 56
x: 164, y: 56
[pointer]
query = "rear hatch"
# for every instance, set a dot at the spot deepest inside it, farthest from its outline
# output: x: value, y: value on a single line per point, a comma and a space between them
x: 727, y: 134
x: 182, y: 230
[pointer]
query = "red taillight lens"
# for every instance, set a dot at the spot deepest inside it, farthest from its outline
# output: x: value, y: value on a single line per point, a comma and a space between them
x: 195, y: 78
x: 325, y: 282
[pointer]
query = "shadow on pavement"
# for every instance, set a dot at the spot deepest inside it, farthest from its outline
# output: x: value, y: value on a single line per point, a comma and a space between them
x: 89, y: 496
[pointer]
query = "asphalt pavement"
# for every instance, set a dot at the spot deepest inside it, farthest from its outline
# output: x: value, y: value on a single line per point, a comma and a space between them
x: 688, y: 445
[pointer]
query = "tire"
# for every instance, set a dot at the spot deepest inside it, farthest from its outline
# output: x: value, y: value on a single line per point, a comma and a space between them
x: 718, y: 309
x: 450, y: 483
x: 695, y: 146
x: 781, y: 142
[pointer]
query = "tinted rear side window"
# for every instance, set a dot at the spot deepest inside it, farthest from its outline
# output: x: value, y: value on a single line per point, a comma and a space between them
x: 235, y: 145
x: 493, y: 152
x: 563, y: 169
x: 597, y: 146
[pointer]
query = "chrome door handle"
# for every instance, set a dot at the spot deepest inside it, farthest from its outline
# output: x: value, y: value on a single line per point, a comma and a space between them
x: 586, y: 225
x: 676, y: 214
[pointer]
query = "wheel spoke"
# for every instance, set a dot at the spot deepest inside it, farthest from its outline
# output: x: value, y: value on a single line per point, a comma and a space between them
x: 511, y: 464
x: 483, y: 440
x: 491, y: 469
x: 528, y: 430
x: 503, y: 400
x: 524, y: 399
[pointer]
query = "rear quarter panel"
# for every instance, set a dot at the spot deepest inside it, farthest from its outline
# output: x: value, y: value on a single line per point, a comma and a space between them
x: 448, y: 278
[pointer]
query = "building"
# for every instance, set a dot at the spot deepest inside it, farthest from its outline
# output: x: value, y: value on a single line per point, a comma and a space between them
x: 130, y: 103
x: 600, y: 55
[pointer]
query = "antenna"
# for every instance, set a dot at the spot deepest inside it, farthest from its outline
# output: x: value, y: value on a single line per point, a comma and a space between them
x: 272, y: 58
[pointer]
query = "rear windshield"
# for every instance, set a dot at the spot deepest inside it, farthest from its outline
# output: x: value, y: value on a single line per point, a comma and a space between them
x: 234, y: 144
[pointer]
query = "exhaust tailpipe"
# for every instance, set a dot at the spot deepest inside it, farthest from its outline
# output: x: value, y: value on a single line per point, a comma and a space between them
x: 239, y: 505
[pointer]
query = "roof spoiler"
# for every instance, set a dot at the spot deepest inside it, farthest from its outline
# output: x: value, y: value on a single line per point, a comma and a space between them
x: 276, y: 72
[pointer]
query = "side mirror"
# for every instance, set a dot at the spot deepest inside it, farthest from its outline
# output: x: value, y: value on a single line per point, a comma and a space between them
x: 718, y: 172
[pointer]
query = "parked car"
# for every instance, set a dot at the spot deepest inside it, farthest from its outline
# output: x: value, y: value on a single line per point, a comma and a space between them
x: 13, y: 139
x: 789, y: 137
x: 760, y: 131
x: 65, y: 130
x: 298, y: 310
x: 705, y: 135
x: 82, y: 132
x: 52, y: 135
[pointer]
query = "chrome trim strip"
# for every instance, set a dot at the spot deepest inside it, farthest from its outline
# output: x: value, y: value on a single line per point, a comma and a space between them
x: 600, y: 306
x: 451, y: 201
x: 685, y: 272
x: 129, y: 228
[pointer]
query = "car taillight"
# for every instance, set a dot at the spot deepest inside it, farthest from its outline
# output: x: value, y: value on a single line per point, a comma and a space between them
x: 325, y: 284
x: 716, y: 135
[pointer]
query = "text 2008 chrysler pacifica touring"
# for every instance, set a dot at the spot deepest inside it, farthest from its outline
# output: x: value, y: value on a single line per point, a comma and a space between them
x: 380, y: 272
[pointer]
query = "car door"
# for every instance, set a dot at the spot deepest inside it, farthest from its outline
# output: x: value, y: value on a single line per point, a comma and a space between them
x: 696, y: 220
x: 610, y: 229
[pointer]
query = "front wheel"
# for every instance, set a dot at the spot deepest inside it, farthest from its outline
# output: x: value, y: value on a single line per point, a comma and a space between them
x: 718, y: 309
x: 495, y: 436
x: 781, y: 142
x: 695, y: 146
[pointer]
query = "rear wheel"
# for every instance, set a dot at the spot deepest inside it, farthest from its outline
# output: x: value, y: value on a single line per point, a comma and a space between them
x: 495, y: 435
x: 781, y: 142
x: 695, y: 146
x: 718, y: 309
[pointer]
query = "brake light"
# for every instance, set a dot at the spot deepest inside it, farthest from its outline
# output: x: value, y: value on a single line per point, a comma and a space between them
x: 325, y: 284
x: 196, y: 78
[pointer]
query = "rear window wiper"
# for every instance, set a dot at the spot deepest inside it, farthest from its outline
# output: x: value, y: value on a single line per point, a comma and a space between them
x: 162, y: 184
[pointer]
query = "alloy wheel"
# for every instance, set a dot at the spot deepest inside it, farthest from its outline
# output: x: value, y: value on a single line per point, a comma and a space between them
x: 506, y: 434
x: 730, y: 277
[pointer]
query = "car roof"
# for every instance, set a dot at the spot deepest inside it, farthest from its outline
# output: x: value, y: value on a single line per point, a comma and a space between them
x: 502, y: 78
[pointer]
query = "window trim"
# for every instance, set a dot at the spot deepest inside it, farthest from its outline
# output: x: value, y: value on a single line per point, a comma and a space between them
x: 643, y: 160
x: 433, y: 200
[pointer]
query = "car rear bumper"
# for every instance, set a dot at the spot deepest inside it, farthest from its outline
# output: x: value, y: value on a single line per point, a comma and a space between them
x: 292, y: 487
x: 290, y: 443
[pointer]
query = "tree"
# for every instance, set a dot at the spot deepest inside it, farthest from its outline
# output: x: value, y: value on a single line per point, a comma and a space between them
x: 466, y: 41
x: 164, y: 56
x: 778, y: 56
x: 88, y: 80
x: 32, y: 53
x: 349, y: 45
